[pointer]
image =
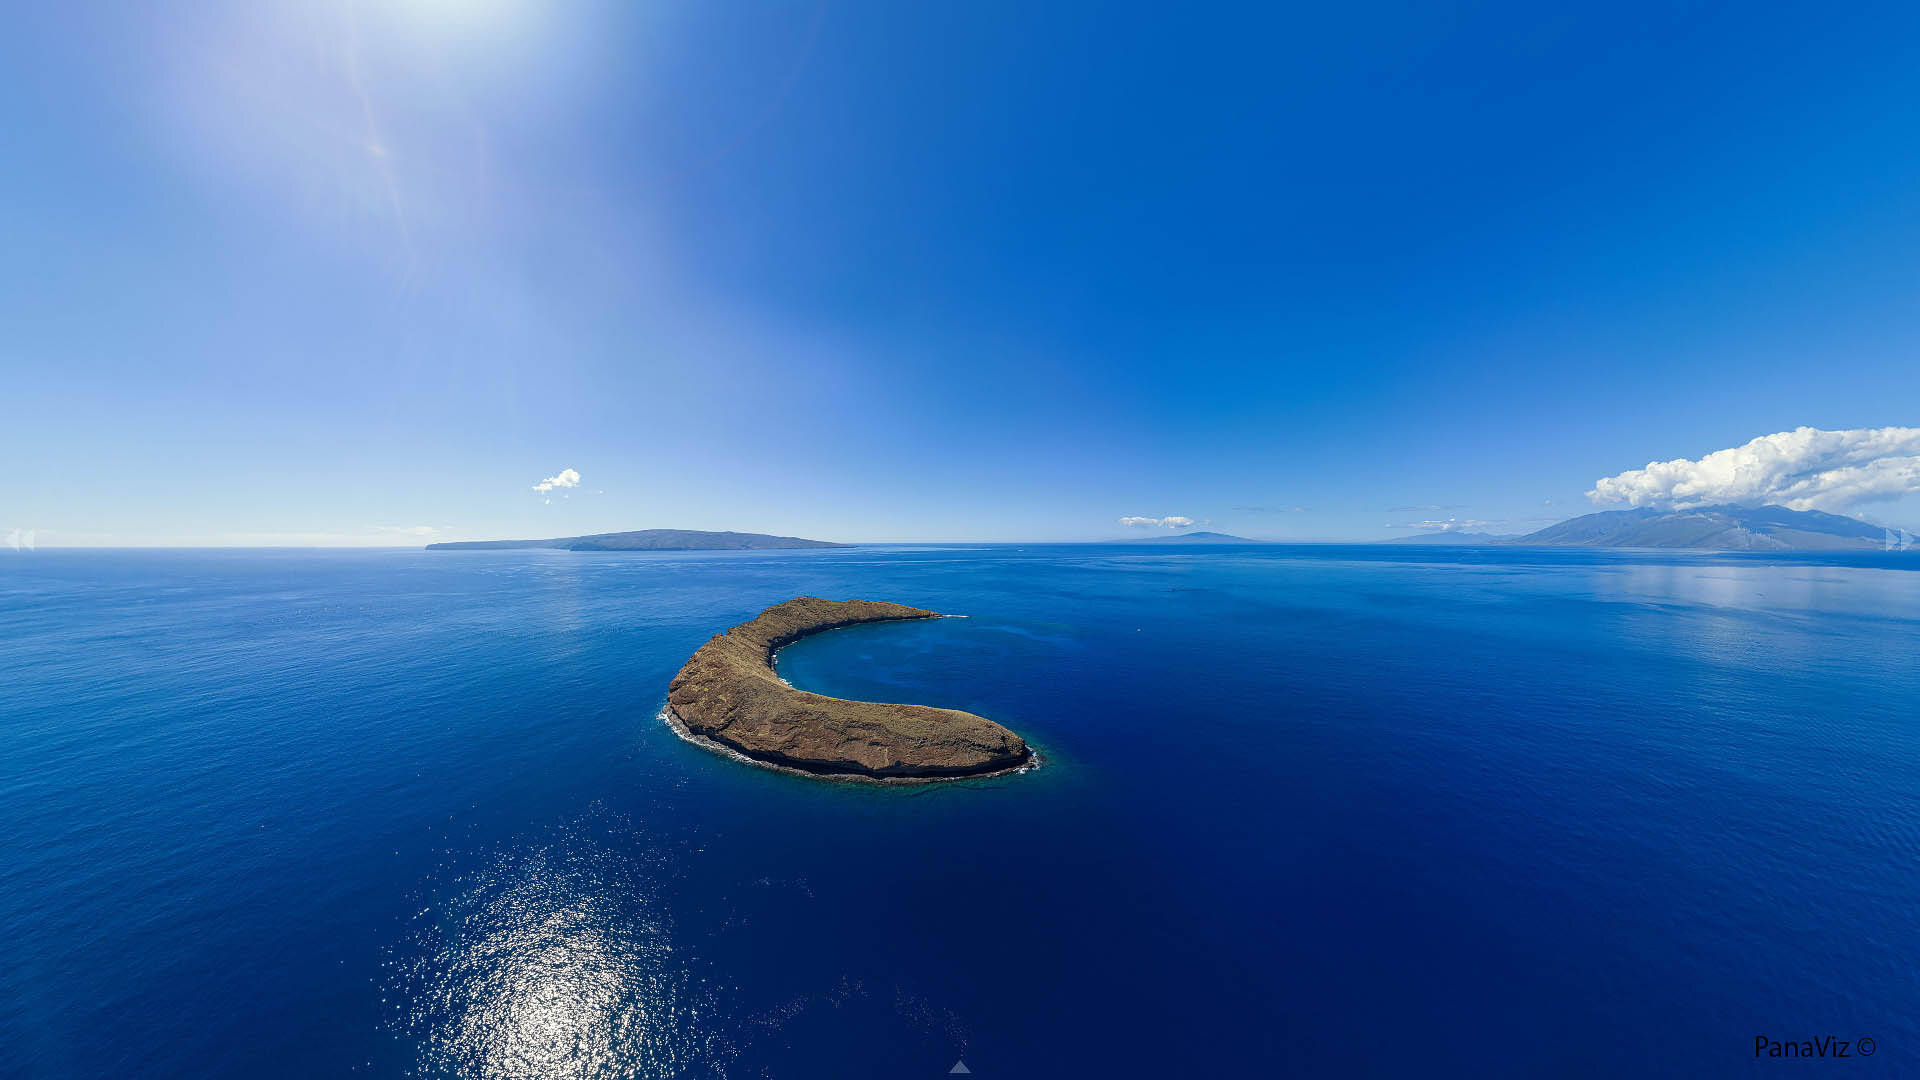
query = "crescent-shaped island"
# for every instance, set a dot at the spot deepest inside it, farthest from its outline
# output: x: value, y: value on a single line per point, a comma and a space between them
x: 728, y: 696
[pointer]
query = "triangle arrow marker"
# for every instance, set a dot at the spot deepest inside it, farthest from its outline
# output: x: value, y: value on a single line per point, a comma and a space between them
x: 959, y: 1069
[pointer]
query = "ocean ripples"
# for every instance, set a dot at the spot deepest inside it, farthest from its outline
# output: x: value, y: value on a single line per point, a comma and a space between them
x: 561, y: 961
x: 553, y: 962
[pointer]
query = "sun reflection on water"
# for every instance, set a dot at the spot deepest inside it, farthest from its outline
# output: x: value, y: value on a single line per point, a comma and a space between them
x: 550, y: 963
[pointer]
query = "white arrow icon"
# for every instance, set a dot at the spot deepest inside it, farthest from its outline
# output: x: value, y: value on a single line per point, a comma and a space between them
x: 959, y: 1069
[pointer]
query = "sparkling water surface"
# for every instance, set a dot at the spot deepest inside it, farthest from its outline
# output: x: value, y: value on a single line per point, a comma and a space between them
x: 1333, y: 811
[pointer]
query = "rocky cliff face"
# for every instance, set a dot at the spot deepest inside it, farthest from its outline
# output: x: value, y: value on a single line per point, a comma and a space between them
x: 728, y: 693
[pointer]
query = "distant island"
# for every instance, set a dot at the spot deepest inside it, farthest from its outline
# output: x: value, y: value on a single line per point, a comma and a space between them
x: 1456, y: 539
x: 728, y: 696
x: 1196, y: 538
x: 1723, y: 528
x: 647, y: 540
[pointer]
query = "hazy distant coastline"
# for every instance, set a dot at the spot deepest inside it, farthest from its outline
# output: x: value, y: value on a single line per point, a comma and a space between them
x: 647, y: 540
x: 1718, y: 528
x: 1707, y: 528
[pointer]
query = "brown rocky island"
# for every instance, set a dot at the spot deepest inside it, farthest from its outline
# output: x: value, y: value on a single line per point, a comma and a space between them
x: 727, y: 694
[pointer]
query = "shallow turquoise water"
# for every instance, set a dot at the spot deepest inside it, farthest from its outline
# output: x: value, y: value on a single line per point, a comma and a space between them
x: 1329, y: 811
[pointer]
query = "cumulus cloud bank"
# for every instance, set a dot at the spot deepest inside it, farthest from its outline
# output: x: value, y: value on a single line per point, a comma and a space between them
x: 1802, y: 469
x: 1173, y: 522
x: 567, y: 478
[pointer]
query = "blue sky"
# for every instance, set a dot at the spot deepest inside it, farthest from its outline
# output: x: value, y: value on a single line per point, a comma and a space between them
x: 368, y: 272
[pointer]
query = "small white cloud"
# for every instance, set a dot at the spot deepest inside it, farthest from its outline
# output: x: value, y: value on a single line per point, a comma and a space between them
x: 407, y: 530
x: 1802, y: 469
x: 1174, y: 521
x: 567, y: 478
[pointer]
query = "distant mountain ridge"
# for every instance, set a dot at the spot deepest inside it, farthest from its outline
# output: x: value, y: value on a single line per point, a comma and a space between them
x: 646, y: 540
x: 1461, y: 539
x: 1197, y: 538
x: 1721, y: 528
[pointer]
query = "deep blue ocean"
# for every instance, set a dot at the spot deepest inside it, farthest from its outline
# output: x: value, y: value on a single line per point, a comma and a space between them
x: 1322, y: 811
